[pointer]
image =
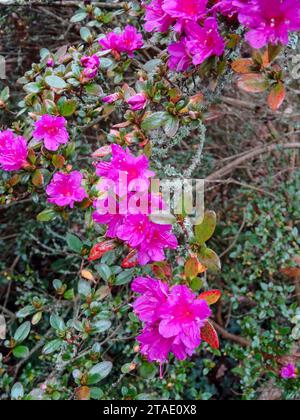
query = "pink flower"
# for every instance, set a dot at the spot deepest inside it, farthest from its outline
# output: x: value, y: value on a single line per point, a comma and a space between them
x: 52, y: 130
x: 158, y: 238
x: 13, y: 151
x: 156, y: 18
x: 180, y: 59
x: 190, y: 10
x: 90, y: 73
x: 230, y: 7
x: 289, y: 371
x: 183, y: 316
x: 138, y: 101
x: 50, y: 62
x: 270, y: 21
x: 173, y: 319
x: 65, y: 189
x: 128, y: 41
x: 90, y: 62
x: 110, y: 99
x: 107, y: 213
x: 204, y: 41
x: 110, y: 41
x: 134, y: 230
x: 134, y: 170
x: 154, y: 293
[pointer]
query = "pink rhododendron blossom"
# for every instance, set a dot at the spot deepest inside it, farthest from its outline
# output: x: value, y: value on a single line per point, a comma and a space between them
x: 154, y: 294
x: 134, y: 230
x: 191, y: 9
x: 289, y: 371
x: 173, y: 319
x: 158, y: 238
x: 90, y: 62
x: 124, y: 163
x: 110, y: 41
x: 180, y: 59
x: 205, y: 41
x: 230, y: 7
x: 129, y: 41
x: 13, y: 151
x: 52, y: 130
x: 126, y: 204
x: 110, y: 99
x: 138, y: 101
x: 156, y: 18
x: 50, y: 62
x: 65, y: 189
x: 270, y: 21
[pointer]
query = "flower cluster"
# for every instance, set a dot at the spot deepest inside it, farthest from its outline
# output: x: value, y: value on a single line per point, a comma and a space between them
x: 128, y: 41
x: 289, y: 372
x: 52, y: 130
x: 172, y: 317
x: 267, y: 21
x: 91, y: 64
x: 65, y: 189
x: 126, y: 204
x: 13, y: 151
x: 199, y: 35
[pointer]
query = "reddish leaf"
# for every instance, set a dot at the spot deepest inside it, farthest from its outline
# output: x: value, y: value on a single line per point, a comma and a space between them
x: 162, y: 270
x: 83, y: 393
x: 102, y: 152
x: 211, y: 297
x: 210, y: 336
x: 277, y: 96
x: 243, y: 65
x: 253, y: 83
x: 131, y: 260
x: 193, y: 267
x: 100, y: 249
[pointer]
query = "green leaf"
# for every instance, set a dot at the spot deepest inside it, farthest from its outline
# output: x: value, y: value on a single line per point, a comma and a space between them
x: 21, y: 352
x: 36, y: 318
x: 74, y: 243
x: 210, y: 259
x: 84, y: 288
x: 104, y: 271
x: 206, y: 229
x: 22, y: 332
x: 26, y: 311
x: 79, y: 17
x: 148, y: 370
x: 154, y: 121
x: 17, y: 391
x: 67, y: 108
x: 99, y: 372
x: 171, y: 126
x: 56, y: 82
x: 101, y: 326
x: 125, y: 277
x: 32, y: 88
x: 46, y: 215
x: 52, y: 346
x: 57, y: 323
x: 93, y: 89
x: 85, y: 33
x: 96, y: 393
x: 4, y: 95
